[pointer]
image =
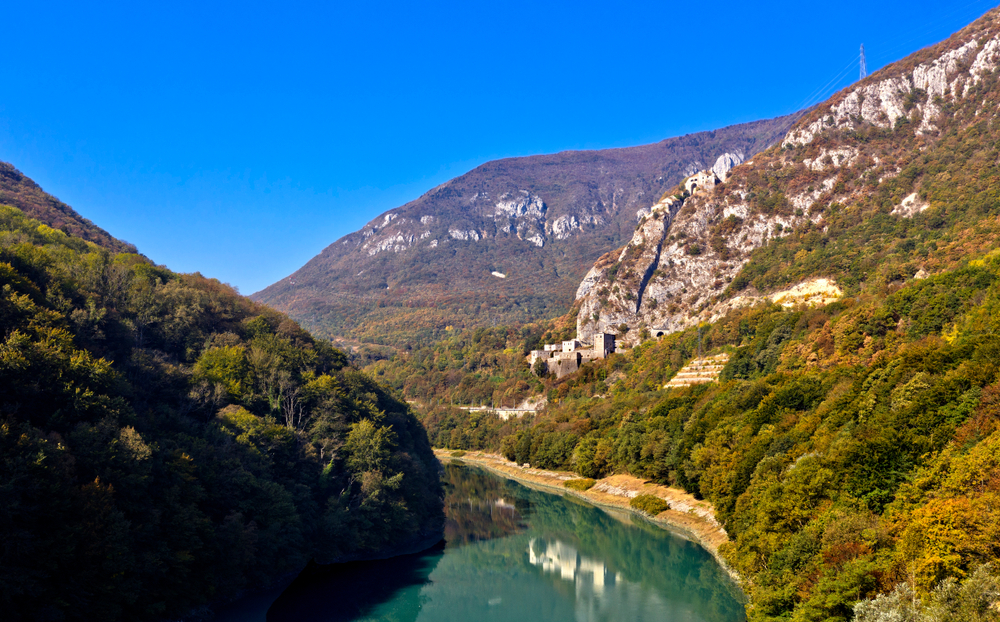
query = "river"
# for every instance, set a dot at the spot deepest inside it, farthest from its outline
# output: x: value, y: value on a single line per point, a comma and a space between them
x: 518, y: 554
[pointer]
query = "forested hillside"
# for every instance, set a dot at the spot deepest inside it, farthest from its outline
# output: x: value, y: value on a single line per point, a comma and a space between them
x: 848, y: 447
x: 166, y: 442
x: 24, y: 194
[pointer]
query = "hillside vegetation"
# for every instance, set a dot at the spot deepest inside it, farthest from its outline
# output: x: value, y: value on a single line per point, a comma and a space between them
x: 843, y: 455
x: 848, y: 447
x: 166, y: 443
x: 21, y: 192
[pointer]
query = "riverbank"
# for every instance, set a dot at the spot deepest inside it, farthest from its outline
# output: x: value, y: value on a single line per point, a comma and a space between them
x: 687, y: 516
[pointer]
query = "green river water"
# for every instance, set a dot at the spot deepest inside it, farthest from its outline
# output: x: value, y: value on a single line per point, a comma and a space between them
x: 516, y: 554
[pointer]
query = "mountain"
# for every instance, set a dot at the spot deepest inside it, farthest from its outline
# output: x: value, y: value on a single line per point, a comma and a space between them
x: 166, y: 443
x: 888, y: 181
x: 850, y: 277
x: 508, y: 241
x: 21, y: 192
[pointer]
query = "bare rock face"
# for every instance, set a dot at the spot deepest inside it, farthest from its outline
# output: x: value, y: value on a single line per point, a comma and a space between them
x: 914, y: 95
x: 677, y: 269
x: 725, y: 163
x: 672, y: 273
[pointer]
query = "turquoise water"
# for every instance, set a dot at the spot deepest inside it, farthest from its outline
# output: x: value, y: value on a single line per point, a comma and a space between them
x: 514, y: 553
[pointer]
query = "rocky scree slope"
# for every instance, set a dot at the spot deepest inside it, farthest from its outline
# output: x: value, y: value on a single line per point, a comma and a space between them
x: 538, y: 221
x: 874, y: 187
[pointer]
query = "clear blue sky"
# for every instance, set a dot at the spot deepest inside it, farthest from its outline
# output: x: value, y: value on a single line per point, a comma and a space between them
x: 240, y: 139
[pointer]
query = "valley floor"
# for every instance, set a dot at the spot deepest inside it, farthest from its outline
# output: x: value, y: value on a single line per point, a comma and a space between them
x: 689, y: 516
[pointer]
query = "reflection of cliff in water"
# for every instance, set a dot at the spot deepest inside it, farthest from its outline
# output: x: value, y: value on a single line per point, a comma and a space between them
x: 516, y: 554
x: 601, y: 594
x: 478, y: 508
x: 616, y: 566
x: 680, y: 571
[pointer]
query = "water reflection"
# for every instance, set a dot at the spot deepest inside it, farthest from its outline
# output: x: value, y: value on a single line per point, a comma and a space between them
x: 563, y: 560
x: 519, y: 554
x: 477, y: 508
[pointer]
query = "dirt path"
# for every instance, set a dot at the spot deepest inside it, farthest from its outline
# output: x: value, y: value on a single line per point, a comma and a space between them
x: 687, y: 516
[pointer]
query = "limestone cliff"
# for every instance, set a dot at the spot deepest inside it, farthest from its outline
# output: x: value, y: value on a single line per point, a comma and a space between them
x: 686, y: 262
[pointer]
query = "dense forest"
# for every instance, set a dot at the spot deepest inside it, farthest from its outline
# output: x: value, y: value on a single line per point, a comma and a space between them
x: 847, y: 448
x: 166, y: 443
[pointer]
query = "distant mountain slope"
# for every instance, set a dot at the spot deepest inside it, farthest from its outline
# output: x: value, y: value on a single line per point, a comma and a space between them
x: 538, y: 221
x: 19, y: 191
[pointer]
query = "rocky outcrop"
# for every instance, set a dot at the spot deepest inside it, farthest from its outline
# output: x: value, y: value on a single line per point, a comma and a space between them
x: 725, y: 163
x: 677, y: 269
x: 916, y: 95
x: 633, y: 270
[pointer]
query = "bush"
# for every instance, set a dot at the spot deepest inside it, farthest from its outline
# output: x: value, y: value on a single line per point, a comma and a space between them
x: 580, y: 484
x: 457, y: 454
x: 649, y: 504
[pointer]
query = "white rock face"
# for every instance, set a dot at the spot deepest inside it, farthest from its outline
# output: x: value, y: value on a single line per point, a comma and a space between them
x: 910, y: 206
x: 459, y: 234
x: 884, y: 102
x: 563, y: 227
x: 395, y: 243
x: 672, y: 275
x: 593, y: 276
x: 832, y: 158
x: 725, y: 163
x: 537, y: 239
x: 805, y: 200
x: 636, y: 266
x: 520, y: 204
x: 426, y: 220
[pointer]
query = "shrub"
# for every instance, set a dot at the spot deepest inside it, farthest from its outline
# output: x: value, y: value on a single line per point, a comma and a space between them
x: 580, y: 484
x: 649, y: 504
x: 457, y: 454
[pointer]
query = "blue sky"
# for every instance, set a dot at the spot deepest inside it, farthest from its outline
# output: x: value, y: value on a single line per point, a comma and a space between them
x: 240, y: 139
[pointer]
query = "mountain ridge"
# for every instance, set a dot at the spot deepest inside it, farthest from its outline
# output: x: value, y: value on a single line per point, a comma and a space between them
x: 539, y: 221
x: 691, y: 260
x: 851, y: 276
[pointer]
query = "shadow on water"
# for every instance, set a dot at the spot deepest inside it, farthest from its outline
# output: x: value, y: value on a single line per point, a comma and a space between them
x: 344, y: 592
